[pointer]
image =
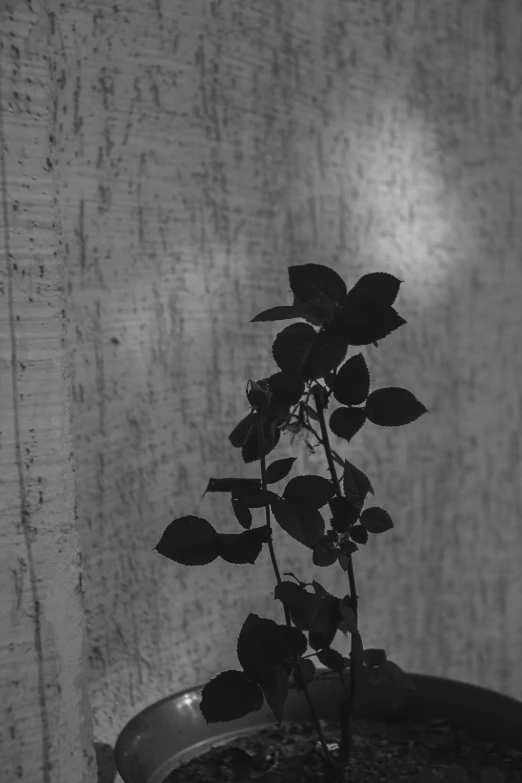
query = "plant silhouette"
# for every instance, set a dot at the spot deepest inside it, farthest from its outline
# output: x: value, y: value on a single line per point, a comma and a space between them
x: 328, y: 515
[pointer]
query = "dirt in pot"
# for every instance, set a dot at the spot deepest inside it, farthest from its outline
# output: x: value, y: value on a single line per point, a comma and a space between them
x: 385, y: 752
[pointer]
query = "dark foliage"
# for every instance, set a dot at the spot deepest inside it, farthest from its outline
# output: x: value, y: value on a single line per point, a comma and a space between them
x: 326, y: 515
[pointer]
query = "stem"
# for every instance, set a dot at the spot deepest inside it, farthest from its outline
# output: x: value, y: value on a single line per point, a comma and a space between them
x: 331, y: 466
x: 309, y: 427
x: 297, y: 673
x: 326, y: 444
x: 262, y: 457
x: 346, y: 744
x: 345, y: 711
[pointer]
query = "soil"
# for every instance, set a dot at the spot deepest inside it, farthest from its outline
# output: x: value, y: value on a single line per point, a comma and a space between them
x: 384, y: 752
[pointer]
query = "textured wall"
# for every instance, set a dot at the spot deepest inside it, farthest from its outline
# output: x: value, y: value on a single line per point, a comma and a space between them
x: 201, y: 147
x: 45, y: 717
x: 204, y: 146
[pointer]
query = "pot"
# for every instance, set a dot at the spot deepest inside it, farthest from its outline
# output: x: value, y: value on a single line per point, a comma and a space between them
x: 172, y: 731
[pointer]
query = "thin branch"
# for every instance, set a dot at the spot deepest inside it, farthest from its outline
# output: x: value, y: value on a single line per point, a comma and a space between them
x: 344, y: 713
x: 297, y: 673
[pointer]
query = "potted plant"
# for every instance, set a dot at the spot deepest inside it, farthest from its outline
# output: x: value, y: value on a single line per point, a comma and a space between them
x: 290, y: 669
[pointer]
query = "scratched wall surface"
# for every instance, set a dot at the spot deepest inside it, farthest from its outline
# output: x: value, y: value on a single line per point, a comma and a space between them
x: 201, y: 148
x: 45, y: 716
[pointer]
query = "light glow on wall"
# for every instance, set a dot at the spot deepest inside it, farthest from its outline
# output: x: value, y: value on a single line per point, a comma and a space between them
x: 380, y: 192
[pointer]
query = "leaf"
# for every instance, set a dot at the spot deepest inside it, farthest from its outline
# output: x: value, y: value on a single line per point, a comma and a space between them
x: 287, y: 389
x: 345, y: 514
x: 306, y: 669
x: 306, y: 525
x: 280, y: 313
x: 279, y: 470
x: 304, y: 606
x: 352, y: 382
x: 359, y: 534
x: 363, y: 320
x: 300, y: 350
x: 310, y: 282
x: 342, y: 556
x: 346, y: 422
x: 318, y: 614
x: 261, y: 644
x: 257, y: 393
x: 311, y: 413
x: 238, y: 486
x: 325, y: 623
x: 299, y: 581
x: 356, y: 484
x: 319, y: 589
x: 314, y: 314
x: 229, y: 696
x: 332, y: 659
x: 317, y: 284
x: 324, y: 555
x: 294, y: 640
x: 329, y: 380
x: 190, y: 541
x: 242, y: 513
x: 242, y: 548
x: 378, y: 285
x: 376, y: 520
x: 258, y: 499
x: 313, y: 490
x: 250, y: 450
x: 373, y: 657
x: 292, y: 346
x: 326, y: 354
x: 393, y: 407
x: 347, y: 548
x: 347, y: 614
x: 240, y: 432
x: 274, y: 684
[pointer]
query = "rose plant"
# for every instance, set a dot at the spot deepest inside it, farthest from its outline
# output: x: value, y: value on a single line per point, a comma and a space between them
x: 313, y: 374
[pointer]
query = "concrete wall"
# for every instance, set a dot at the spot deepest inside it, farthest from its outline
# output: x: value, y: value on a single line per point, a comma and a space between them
x: 199, y: 148
x: 203, y: 147
x: 45, y: 716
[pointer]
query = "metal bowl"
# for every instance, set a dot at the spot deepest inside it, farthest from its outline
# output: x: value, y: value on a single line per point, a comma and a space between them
x: 172, y: 731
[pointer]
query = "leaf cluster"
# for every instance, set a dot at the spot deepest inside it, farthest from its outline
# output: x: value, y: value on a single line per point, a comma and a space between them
x: 329, y: 516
